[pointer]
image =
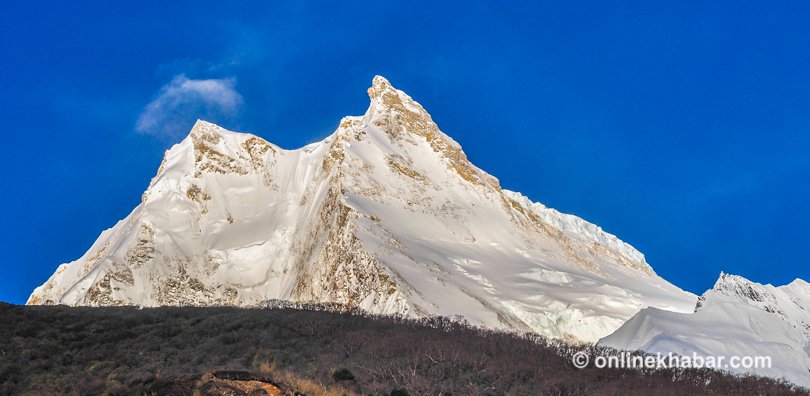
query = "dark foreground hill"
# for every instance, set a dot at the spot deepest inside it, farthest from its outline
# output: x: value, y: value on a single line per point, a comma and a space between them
x: 61, y: 350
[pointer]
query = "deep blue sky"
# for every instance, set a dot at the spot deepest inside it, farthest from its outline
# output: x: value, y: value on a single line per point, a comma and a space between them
x: 682, y: 127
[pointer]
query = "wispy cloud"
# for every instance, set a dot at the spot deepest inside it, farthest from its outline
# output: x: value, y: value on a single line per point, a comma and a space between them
x: 181, y: 102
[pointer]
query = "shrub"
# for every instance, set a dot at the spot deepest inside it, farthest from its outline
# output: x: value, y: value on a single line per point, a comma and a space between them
x: 343, y: 374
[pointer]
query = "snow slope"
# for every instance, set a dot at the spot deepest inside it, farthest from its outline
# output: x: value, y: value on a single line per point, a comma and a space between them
x: 386, y: 214
x: 735, y: 318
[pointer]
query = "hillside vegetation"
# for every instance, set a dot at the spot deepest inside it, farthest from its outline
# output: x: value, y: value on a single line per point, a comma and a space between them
x: 310, y: 350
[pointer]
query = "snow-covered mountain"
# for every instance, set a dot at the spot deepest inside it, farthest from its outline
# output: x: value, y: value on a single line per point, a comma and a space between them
x: 736, y: 317
x: 386, y: 214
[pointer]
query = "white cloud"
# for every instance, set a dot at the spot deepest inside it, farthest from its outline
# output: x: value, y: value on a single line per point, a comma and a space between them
x: 183, y: 101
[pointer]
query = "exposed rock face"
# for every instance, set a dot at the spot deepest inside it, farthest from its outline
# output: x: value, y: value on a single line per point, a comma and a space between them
x: 386, y: 214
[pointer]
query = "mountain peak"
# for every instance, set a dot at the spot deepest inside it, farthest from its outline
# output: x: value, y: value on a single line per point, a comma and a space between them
x: 736, y: 317
x: 386, y: 214
x: 387, y: 99
x: 200, y: 123
x: 799, y: 281
x: 379, y: 85
x: 404, y: 119
x: 725, y: 279
x: 209, y: 129
x: 730, y: 282
x: 742, y: 289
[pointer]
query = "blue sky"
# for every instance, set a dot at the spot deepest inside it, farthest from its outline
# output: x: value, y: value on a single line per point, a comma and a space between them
x: 683, y: 127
